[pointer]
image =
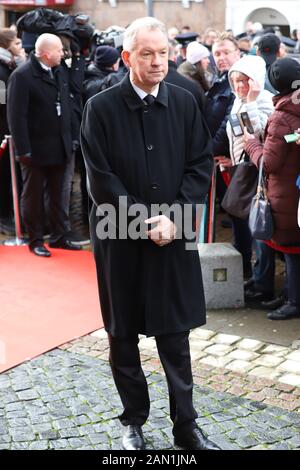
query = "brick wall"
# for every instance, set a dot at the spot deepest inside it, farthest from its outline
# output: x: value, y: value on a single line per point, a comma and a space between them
x: 210, y: 13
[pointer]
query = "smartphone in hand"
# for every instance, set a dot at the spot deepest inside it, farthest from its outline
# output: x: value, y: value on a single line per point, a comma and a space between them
x: 247, y: 123
x: 235, y: 125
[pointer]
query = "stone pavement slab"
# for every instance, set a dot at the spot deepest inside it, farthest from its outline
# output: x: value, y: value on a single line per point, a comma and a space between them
x: 71, y: 403
x: 253, y: 323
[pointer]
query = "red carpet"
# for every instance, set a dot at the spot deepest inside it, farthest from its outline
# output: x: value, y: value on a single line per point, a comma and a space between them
x: 44, y: 302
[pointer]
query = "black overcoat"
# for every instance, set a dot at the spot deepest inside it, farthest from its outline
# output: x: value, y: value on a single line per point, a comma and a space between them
x: 160, y: 154
x: 33, y: 120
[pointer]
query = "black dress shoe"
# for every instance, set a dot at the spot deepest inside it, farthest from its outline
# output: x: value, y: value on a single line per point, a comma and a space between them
x: 285, y: 312
x: 249, y: 283
x: 252, y: 295
x: 133, y: 438
x: 40, y: 251
x: 65, y: 245
x: 273, y: 304
x: 195, y: 440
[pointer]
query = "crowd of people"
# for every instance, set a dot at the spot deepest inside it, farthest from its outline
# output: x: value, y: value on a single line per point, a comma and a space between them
x: 227, y: 75
x: 157, y: 114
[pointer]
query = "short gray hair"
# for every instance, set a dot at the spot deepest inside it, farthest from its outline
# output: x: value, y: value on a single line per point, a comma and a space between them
x: 131, y: 32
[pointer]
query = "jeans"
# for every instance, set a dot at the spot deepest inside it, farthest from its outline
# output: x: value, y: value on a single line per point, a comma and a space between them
x: 293, y: 276
x: 264, y: 268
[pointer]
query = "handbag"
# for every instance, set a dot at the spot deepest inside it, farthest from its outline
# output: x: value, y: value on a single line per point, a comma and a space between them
x: 260, y: 217
x: 241, y: 189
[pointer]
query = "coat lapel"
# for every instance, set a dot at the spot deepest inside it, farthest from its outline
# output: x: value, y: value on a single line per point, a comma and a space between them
x: 134, y: 102
x: 38, y: 71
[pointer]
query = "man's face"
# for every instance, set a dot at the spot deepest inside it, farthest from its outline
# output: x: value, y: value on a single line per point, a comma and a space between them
x: 225, y: 54
x: 210, y: 38
x: 56, y: 54
x: 148, y: 61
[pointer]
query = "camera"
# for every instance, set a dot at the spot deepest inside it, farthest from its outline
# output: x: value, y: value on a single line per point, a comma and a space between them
x: 112, y: 36
x: 43, y: 20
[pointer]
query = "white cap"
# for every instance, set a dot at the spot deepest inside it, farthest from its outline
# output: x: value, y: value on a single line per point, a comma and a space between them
x: 196, y: 52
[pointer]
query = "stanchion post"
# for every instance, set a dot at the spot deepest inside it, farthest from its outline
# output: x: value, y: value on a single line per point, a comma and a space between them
x: 18, y: 240
x: 212, y: 208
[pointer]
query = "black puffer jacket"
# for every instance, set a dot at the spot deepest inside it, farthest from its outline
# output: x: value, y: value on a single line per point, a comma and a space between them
x: 93, y: 81
x: 219, y: 101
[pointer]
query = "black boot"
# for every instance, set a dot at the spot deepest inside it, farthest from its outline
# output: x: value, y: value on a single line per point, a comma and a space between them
x: 273, y: 304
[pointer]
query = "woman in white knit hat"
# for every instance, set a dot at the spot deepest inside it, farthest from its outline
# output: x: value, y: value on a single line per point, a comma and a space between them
x: 196, y: 65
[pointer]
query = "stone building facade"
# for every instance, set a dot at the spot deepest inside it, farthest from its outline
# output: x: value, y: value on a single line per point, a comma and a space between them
x: 198, y: 14
x: 282, y: 13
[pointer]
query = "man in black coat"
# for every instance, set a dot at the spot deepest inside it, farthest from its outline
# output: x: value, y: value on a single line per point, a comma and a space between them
x: 219, y: 101
x: 40, y: 123
x: 220, y: 97
x: 173, y: 76
x: 145, y: 144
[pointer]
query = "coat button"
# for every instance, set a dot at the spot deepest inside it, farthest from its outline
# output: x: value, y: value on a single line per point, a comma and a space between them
x: 154, y: 186
x: 150, y: 147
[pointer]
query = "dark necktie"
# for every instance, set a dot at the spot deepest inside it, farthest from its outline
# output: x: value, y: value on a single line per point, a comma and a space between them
x: 149, y: 100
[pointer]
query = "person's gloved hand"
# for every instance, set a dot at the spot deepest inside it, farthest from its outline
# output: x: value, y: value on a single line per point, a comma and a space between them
x: 24, y: 159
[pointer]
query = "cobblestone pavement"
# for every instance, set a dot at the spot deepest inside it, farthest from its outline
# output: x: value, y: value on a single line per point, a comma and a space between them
x: 247, y: 394
x: 243, y: 367
x: 67, y: 400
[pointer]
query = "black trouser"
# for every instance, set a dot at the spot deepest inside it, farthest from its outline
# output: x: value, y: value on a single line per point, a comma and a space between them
x: 293, y: 275
x: 66, y: 192
x: 174, y: 353
x: 35, y: 180
x: 243, y: 241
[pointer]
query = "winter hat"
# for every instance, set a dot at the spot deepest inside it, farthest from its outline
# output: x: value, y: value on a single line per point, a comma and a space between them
x: 196, y: 52
x: 283, y: 73
x: 268, y: 46
x: 29, y: 40
x: 106, y: 56
x: 185, y: 38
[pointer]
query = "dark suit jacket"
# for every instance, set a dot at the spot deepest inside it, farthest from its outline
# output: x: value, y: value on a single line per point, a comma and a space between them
x: 33, y: 120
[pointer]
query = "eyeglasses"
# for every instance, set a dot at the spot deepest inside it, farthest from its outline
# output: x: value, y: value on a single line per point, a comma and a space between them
x: 240, y: 80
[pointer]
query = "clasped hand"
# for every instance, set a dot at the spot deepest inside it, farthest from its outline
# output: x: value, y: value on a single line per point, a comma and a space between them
x: 164, y: 232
